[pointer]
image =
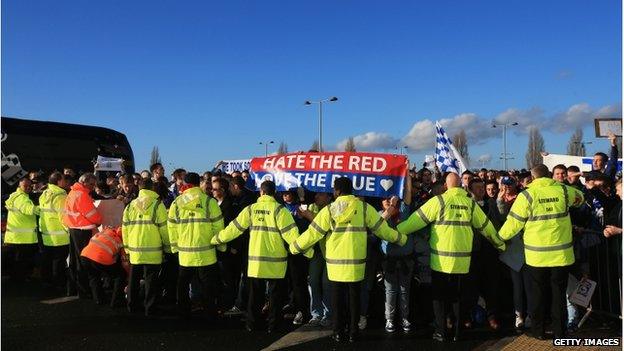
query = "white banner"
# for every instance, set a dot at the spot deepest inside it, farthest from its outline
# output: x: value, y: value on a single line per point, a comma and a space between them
x: 108, y: 164
x: 583, y: 163
x: 229, y: 166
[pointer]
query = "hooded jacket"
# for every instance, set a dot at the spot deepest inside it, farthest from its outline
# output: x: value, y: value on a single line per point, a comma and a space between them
x: 144, y: 228
x: 194, y: 218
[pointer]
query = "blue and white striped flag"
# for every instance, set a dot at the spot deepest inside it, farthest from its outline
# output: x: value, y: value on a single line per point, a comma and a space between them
x: 447, y: 157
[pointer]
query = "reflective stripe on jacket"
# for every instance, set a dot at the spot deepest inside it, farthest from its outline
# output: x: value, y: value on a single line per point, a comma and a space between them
x: 51, y: 204
x: 144, y: 228
x: 194, y: 218
x: 452, y: 216
x: 79, y: 211
x: 542, y: 211
x: 104, y: 247
x: 270, y: 227
x: 344, y: 224
x: 21, y: 227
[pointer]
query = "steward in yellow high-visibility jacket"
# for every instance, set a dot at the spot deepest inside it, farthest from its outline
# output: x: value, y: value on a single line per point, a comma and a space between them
x: 51, y: 203
x: 271, y: 227
x: 542, y: 211
x: 452, y: 216
x: 21, y: 228
x: 53, y: 232
x: 144, y: 228
x: 344, y: 225
x: 194, y: 218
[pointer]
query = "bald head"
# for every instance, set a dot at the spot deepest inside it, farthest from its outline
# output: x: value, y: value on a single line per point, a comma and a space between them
x: 453, y: 180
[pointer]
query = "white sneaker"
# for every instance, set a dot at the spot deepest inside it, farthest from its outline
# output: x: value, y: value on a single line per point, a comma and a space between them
x: 314, y: 322
x: 298, y: 320
x: 407, y: 326
x: 362, y: 323
x: 390, y: 326
x: 326, y: 322
x: 519, y: 322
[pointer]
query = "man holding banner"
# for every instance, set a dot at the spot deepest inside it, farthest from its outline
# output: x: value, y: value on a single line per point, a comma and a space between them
x: 344, y: 224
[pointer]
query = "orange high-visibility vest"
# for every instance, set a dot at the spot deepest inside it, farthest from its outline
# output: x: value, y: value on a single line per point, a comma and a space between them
x: 79, y: 211
x: 104, y: 247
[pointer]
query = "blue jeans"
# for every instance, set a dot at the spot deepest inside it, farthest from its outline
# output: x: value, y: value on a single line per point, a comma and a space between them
x: 398, y: 274
x: 320, y: 290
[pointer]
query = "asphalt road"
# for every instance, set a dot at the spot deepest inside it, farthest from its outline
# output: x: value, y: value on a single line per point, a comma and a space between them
x: 29, y: 324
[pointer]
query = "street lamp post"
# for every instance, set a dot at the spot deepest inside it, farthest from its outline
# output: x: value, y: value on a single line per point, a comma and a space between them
x: 401, y: 148
x: 505, y: 156
x: 266, y: 146
x: 320, y: 103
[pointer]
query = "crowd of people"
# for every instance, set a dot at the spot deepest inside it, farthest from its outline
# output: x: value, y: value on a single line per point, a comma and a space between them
x: 208, y: 245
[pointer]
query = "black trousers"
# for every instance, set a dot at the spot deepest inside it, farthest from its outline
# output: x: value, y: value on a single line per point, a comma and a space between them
x: 257, y: 289
x: 446, y: 288
x: 148, y: 272
x: 341, y: 293
x: 207, y: 276
x: 78, y: 240
x: 541, y: 279
x: 242, y: 298
x: 230, y: 266
x: 54, y: 265
x: 24, y: 260
x: 115, y: 272
x: 298, y: 273
x: 168, y: 277
x: 483, y: 280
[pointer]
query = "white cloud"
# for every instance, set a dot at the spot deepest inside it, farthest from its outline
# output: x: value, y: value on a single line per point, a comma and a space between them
x: 525, y: 119
x: 580, y: 115
x: 485, y: 158
x: 371, y: 141
x: 421, y: 135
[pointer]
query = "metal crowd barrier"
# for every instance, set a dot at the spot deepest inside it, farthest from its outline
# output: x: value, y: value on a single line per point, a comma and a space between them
x: 604, y: 260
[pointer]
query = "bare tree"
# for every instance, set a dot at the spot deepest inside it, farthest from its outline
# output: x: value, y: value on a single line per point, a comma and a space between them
x: 535, y: 148
x: 350, y: 145
x: 315, y: 146
x: 461, y: 144
x: 155, y: 156
x: 282, y: 149
x: 576, y: 147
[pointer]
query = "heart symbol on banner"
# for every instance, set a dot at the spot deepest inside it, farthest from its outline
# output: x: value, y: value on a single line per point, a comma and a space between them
x: 386, y: 184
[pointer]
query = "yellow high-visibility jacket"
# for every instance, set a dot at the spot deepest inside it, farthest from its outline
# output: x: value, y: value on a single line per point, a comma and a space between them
x: 194, y: 218
x: 22, y: 220
x: 51, y: 204
x: 344, y: 225
x: 542, y: 211
x: 452, y: 216
x: 144, y: 228
x: 270, y: 227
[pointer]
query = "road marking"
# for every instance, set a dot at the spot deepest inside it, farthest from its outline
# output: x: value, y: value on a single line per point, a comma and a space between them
x: 60, y: 300
x: 299, y: 336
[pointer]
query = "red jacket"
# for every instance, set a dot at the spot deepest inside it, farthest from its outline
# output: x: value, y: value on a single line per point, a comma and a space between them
x: 104, y: 247
x: 80, y: 213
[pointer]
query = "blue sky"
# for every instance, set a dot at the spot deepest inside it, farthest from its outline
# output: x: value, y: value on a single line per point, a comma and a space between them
x: 208, y: 80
